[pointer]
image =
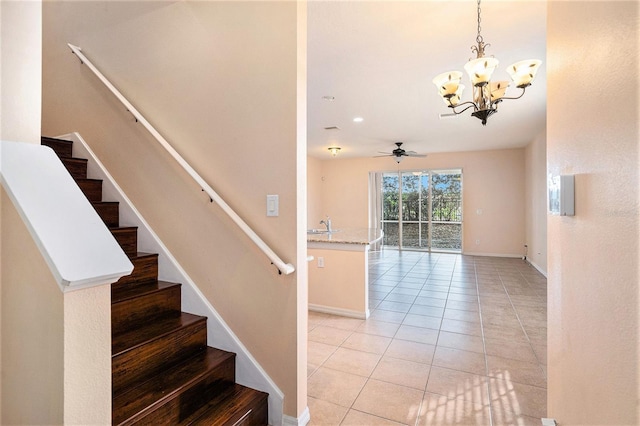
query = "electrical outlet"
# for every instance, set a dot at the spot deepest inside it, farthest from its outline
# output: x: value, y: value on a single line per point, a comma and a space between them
x: 477, y: 242
x: 320, y: 262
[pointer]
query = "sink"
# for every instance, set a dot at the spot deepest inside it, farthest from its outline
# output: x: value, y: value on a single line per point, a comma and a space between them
x: 317, y: 231
x: 321, y: 231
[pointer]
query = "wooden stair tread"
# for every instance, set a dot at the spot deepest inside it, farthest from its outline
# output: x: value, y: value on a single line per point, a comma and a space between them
x: 61, y: 147
x: 145, y: 397
x: 122, y: 294
x: 88, y: 180
x: 74, y: 160
x: 109, y: 212
x: 77, y: 167
x: 141, y: 254
x: 228, y: 407
x: 123, y: 229
x: 147, y: 332
x: 127, y: 237
x: 145, y: 269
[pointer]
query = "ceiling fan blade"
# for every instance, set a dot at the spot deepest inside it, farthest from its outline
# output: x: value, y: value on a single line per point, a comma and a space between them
x: 414, y: 154
x: 386, y: 155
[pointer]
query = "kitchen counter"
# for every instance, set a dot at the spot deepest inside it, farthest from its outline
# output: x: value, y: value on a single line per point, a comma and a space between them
x: 339, y: 273
x: 347, y: 236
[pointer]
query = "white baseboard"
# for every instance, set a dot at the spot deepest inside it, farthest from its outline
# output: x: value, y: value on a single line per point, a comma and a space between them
x: 339, y: 311
x: 303, y: 420
x: 515, y: 256
x: 538, y: 268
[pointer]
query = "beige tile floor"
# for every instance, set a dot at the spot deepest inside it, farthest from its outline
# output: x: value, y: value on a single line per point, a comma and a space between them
x: 451, y: 339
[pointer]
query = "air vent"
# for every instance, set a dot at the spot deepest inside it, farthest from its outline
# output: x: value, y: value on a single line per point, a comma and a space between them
x: 332, y: 128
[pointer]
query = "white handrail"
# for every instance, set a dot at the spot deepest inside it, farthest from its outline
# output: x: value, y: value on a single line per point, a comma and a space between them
x: 283, y: 268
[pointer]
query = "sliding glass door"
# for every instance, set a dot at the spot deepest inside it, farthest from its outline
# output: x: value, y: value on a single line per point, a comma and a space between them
x: 446, y: 210
x: 422, y: 210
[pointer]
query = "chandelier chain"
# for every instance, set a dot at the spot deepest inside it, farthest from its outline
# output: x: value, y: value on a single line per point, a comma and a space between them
x: 479, y: 38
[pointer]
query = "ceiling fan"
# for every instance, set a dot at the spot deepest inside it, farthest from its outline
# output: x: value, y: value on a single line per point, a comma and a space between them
x: 398, y: 153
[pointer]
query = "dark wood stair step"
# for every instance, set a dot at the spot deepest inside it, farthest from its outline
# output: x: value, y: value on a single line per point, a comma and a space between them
x: 109, y: 211
x: 172, y: 396
x: 140, y: 353
x: 134, y: 306
x: 92, y: 188
x: 237, y: 405
x: 76, y: 166
x: 127, y: 237
x: 61, y: 147
x: 163, y: 372
x: 145, y: 270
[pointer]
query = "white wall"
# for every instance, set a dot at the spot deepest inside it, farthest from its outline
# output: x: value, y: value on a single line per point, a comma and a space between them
x: 20, y: 83
x: 32, y: 329
x: 493, y: 181
x: 315, y: 212
x: 219, y: 80
x: 20, y: 89
x: 536, y: 202
x: 592, y: 133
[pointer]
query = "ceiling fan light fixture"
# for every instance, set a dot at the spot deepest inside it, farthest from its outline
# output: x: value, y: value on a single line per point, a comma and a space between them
x: 334, y: 150
x: 486, y: 93
x: 399, y: 153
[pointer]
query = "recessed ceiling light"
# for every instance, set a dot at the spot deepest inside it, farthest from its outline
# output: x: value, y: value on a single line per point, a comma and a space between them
x: 358, y: 120
x: 329, y: 98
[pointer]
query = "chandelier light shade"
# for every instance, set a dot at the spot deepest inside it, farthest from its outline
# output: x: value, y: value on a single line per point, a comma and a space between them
x: 487, y: 94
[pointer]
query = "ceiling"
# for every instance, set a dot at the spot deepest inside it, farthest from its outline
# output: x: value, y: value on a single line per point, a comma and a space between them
x: 377, y: 59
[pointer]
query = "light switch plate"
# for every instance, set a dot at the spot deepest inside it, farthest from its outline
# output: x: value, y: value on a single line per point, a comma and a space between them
x: 272, y: 205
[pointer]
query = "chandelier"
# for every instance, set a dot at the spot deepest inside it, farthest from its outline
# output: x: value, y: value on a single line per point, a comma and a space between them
x: 487, y: 94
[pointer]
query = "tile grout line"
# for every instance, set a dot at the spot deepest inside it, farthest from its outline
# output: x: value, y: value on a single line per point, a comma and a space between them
x: 484, y: 345
x: 435, y: 346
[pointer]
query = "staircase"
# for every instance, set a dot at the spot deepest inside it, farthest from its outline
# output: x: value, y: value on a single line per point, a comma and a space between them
x: 162, y: 370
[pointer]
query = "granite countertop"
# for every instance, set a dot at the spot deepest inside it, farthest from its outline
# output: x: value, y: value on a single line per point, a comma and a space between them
x: 361, y: 236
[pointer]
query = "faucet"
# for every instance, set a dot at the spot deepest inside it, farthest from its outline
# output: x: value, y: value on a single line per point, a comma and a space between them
x: 326, y: 223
